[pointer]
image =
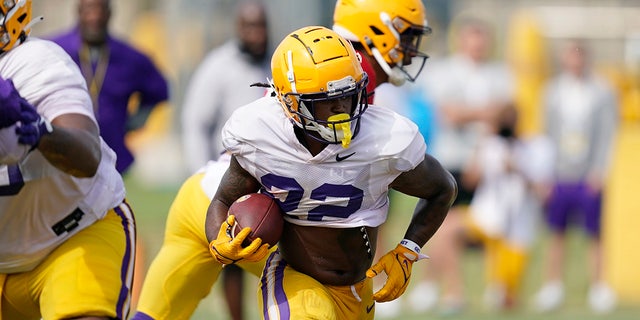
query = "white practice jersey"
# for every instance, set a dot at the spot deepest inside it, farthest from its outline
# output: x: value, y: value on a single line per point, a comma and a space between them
x: 213, y: 173
x: 36, y: 197
x: 338, y: 188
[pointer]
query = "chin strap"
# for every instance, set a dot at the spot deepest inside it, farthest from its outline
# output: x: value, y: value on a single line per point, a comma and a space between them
x: 396, y: 76
x: 33, y: 22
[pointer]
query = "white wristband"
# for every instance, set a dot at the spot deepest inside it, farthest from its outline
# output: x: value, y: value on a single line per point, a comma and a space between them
x: 413, y: 247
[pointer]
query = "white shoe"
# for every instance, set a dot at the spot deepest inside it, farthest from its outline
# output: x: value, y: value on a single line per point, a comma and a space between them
x: 494, y: 297
x: 389, y: 309
x: 602, y: 299
x: 423, y: 297
x: 451, y: 306
x: 550, y: 297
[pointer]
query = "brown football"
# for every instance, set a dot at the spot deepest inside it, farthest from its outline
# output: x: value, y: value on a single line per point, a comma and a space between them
x: 262, y: 214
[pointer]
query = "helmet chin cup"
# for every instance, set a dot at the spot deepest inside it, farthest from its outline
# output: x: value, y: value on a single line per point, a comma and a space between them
x: 342, y: 129
x: 397, y: 77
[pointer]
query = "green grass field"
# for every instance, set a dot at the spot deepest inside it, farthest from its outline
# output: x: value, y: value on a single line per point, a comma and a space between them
x: 151, y: 206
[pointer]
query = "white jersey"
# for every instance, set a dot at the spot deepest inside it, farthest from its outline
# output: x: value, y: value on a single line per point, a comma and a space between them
x: 213, y: 173
x: 39, y: 204
x: 337, y: 188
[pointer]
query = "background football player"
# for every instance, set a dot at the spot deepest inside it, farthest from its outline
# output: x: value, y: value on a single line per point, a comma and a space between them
x: 183, y: 272
x: 390, y: 39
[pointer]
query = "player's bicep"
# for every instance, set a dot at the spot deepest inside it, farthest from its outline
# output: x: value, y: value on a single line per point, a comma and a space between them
x: 74, y: 145
x: 235, y: 183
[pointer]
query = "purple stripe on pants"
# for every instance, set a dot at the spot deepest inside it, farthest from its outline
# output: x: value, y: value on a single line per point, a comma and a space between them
x: 281, y: 297
x: 128, y: 221
x: 274, y: 271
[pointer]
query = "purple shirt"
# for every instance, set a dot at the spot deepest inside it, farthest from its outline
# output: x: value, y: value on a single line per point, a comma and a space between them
x: 128, y: 72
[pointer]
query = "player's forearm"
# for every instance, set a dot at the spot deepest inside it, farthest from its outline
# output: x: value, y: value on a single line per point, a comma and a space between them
x: 429, y: 215
x: 216, y: 215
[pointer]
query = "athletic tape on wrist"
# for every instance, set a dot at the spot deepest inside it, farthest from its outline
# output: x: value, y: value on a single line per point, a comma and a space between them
x: 413, y: 247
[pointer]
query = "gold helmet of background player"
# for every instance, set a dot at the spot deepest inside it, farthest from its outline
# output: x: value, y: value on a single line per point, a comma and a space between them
x: 390, y: 31
x: 15, y: 23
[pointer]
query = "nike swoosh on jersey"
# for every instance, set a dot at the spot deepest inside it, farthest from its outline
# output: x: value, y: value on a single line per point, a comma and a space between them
x: 339, y: 158
x: 369, y: 308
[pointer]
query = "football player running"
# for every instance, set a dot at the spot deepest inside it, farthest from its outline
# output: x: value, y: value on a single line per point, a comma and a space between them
x: 184, y: 250
x: 183, y: 272
x: 330, y: 161
x: 68, y: 236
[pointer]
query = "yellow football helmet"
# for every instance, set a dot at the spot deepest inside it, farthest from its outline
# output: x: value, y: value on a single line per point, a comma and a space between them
x: 15, y: 23
x: 315, y: 64
x: 389, y: 30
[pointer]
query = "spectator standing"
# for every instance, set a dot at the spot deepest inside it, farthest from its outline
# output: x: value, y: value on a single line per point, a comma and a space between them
x: 116, y: 74
x: 124, y: 84
x: 467, y: 88
x: 581, y: 118
x: 222, y: 82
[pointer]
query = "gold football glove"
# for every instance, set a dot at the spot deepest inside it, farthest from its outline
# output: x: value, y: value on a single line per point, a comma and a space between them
x: 397, y: 265
x: 229, y: 250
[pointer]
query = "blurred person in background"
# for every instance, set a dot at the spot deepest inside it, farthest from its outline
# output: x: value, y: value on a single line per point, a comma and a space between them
x: 512, y: 175
x: 467, y: 88
x: 221, y: 83
x: 68, y: 235
x: 124, y: 83
x: 581, y: 119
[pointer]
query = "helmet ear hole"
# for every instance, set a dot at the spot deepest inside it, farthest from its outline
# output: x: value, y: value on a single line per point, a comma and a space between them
x: 376, y: 31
